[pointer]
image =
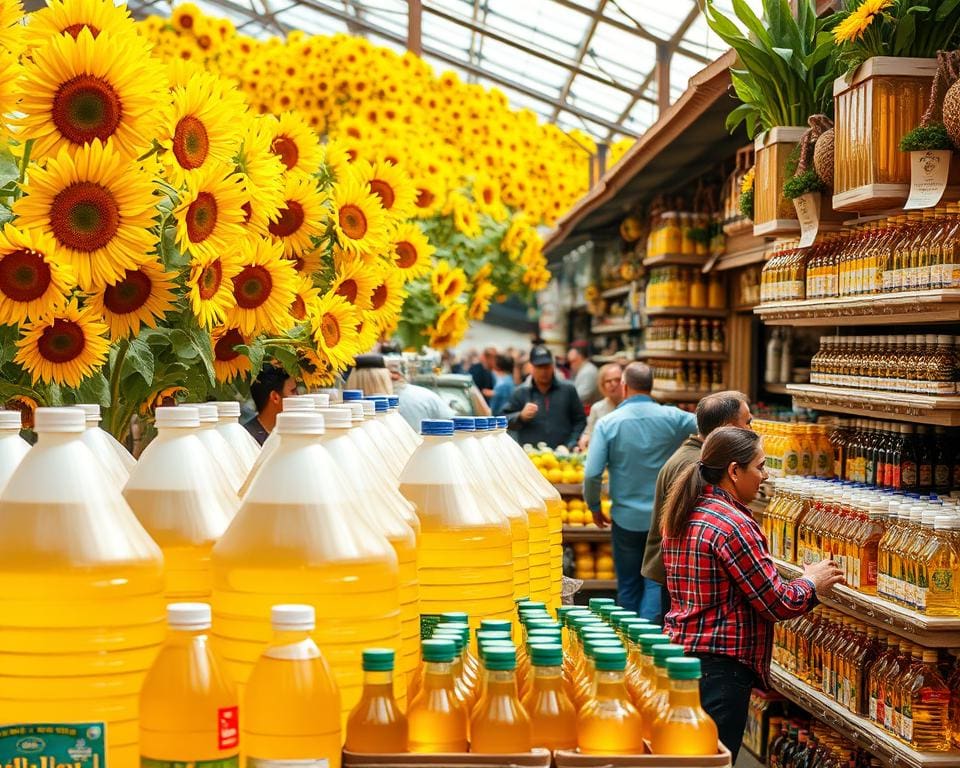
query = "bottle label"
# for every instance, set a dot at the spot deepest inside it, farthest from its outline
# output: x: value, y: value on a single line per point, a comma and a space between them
x: 941, y: 580
x: 259, y: 762
x: 428, y: 623
x: 941, y: 475
x: 926, y: 475
x: 931, y: 696
x: 228, y: 728
x: 223, y: 762
x: 908, y: 474
x: 46, y: 744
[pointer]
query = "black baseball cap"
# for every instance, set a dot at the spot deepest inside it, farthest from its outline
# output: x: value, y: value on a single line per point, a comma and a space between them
x: 540, y: 356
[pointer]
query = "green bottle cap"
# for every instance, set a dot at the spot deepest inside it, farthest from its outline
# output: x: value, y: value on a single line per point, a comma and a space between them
x: 596, y: 602
x: 578, y: 611
x: 451, y: 634
x: 665, y: 651
x: 484, y: 635
x: 619, y: 615
x: 636, y: 631
x: 648, y: 640
x: 544, y: 632
x: 457, y: 617
x: 463, y: 629
x: 608, y: 659
x: 534, y: 623
x: 591, y: 644
x: 439, y: 650
x: 546, y: 654
x: 605, y: 611
x: 497, y: 625
x: 500, y: 658
x: 683, y: 668
x: 527, y: 604
x: 582, y: 621
x: 563, y: 610
x: 597, y: 630
x: 378, y: 660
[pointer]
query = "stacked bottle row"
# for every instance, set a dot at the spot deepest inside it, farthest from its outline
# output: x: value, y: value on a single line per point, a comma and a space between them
x: 903, y: 548
x: 680, y: 375
x: 685, y: 335
x: 684, y: 287
x: 796, y: 743
x: 923, y: 364
x: 796, y: 448
x: 783, y: 277
x: 679, y: 233
x: 910, y: 691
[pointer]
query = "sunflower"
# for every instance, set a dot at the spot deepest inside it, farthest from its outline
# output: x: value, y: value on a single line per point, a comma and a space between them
x: 210, y: 215
x: 354, y: 280
x: 263, y: 289
x: 392, y: 185
x: 99, y: 208
x: 302, y: 216
x: 859, y: 20
x: 486, y: 195
x: 480, y: 303
x: 337, y: 158
x: 465, y: 217
x: 431, y: 195
x: 211, y: 288
x: 388, y: 295
x: 140, y: 297
x: 412, y: 252
x: 227, y: 362
x: 746, y: 184
x: 309, y: 263
x: 77, y: 90
x: 9, y: 75
x: 448, y: 282
x: 64, y: 348
x: 449, y: 328
x: 368, y: 331
x: 202, y: 127
x: 181, y: 71
x: 315, y: 369
x: 304, y: 299
x: 297, y: 146
x: 358, y: 218
x: 34, y: 282
x: 262, y: 170
x: 164, y: 397
x: 27, y: 407
x: 335, y: 329
x: 11, y: 30
x: 185, y: 16
x: 70, y: 16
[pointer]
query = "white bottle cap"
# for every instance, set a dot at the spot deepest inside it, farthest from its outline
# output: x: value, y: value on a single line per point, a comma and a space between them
x: 293, y: 618
x: 208, y: 413
x: 188, y: 616
x: 227, y: 409
x: 369, y: 408
x: 298, y: 403
x: 91, y: 412
x: 59, y: 420
x: 185, y: 416
x: 334, y: 394
x: 356, y: 410
x: 335, y: 418
x: 319, y: 400
x: 10, y: 420
x: 300, y: 423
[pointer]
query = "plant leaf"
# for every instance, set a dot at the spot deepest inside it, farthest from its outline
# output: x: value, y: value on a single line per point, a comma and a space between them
x: 140, y: 360
x: 94, y: 389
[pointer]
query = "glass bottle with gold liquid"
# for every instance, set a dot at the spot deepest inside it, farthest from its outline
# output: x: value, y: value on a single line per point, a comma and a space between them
x: 942, y: 564
x: 376, y: 724
x: 658, y: 701
x: 610, y: 724
x: 684, y: 728
x: 437, y: 719
x: 552, y: 714
x: 924, y: 712
x: 500, y: 724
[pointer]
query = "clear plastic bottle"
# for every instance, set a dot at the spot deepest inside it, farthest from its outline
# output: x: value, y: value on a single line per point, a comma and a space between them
x: 12, y: 447
x: 500, y: 724
x: 925, y: 715
x: 291, y: 709
x: 553, y: 717
x: 610, y: 724
x: 225, y: 457
x: 296, y: 404
x: 406, y: 439
x: 116, y: 460
x: 437, y: 719
x: 377, y: 723
x: 373, y: 424
x: 298, y: 537
x: 237, y: 437
x: 942, y: 564
x: 81, y: 616
x: 465, y: 547
x: 684, y: 729
x: 188, y: 704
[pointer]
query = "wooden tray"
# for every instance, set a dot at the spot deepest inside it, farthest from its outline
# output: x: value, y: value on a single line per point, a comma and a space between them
x: 573, y: 759
x: 538, y: 758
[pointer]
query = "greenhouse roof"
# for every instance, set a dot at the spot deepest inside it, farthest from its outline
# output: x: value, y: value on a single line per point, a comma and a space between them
x: 607, y: 67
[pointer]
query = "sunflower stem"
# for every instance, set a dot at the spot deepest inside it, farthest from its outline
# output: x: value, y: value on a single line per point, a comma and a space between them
x: 115, y: 407
x: 24, y: 162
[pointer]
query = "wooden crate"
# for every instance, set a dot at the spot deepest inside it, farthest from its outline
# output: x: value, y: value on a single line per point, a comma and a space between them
x: 773, y: 214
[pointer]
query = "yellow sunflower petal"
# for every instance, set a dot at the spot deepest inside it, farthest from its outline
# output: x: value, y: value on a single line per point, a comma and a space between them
x: 210, y: 215
x: 412, y: 252
x: 64, y: 348
x: 228, y: 363
x: 263, y: 289
x: 141, y: 297
x: 335, y: 330
x: 34, y: 281
x: 358, y: 218
x: 301, y: 218
x: 211, y: 288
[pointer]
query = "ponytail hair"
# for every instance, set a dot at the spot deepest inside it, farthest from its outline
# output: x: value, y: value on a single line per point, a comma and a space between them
x: 723, y: 447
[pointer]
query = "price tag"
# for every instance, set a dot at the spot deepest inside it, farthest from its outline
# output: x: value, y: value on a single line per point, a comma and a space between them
x: 808, y: 212
x: 928, y: 177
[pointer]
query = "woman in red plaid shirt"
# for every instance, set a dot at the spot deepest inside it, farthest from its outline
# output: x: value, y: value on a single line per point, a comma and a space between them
x: 725, y: 591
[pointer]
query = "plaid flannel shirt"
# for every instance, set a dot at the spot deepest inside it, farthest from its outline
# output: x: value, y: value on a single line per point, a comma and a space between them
x: 725, y: 590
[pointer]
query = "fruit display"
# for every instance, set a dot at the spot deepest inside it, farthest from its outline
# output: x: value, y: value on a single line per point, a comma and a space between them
x: 593, y: 560
x: 574, y: 512
x: 558, y: 465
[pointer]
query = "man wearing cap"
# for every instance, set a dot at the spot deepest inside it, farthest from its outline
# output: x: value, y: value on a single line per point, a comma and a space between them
x: 268, y: 390
x: 416, y: 402
x: 546, y: 409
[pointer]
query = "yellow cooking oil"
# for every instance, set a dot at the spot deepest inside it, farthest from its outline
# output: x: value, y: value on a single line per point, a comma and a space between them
x: 610, y: 724
x: 466, y: 546
x: 685, y: 728
x: 942, y: 558
x: 291, y: 709
x: 553, y: 718
x: 659, y: 699
x: 188, y: 704
x: 500, y: 724
x: 437, y: 720
x: 82, y: 613
x: 377, y: 724
x: 300, y: 538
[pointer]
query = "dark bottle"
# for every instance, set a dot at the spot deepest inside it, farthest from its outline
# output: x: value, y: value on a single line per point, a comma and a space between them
x: 776, y: 745
x: 924, y: 460
x: 910, y: 461
x: 941, y: 462
x: 793, y: 759
x: 871, y: 454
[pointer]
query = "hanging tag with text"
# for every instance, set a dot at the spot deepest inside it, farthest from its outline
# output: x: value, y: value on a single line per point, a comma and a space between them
x: 808, y: 212
x: 929, y: 170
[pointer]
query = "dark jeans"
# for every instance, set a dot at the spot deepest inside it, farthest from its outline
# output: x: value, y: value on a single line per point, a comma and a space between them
x: 725, y: 688
x: 634, y: 592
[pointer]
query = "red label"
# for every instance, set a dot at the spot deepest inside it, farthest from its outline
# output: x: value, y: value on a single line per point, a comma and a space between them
x: 930, y: 696
x: 228, y: 730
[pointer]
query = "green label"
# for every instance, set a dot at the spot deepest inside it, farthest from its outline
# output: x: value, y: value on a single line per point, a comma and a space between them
x: 53, y: 745
x: 942, y: 579
x: 223, y: 762
x: 428, y: 623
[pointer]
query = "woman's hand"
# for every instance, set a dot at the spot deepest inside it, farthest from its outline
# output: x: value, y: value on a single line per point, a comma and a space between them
x: 824, y: 575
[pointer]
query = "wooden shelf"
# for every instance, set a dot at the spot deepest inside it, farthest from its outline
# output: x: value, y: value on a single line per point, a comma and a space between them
x: 942, y: 410
x: 882, y: 745
x: 775, y: 389
x: 620, y: 290
x: 599, y: 585
x: 682, y: 259
x: 585, y: 533
x: 684, y: 312
x: 569, y: 489
x: 679, y: 395
x: 599, y: 330
x: 667, y: 354
x: 928, y: 631
x: 938, y: 306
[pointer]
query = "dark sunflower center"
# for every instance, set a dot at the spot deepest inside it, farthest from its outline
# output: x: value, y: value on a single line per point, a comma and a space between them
x: 252, y: 287
x: 384, y: 191
x: 330, y: 330
x: 86, y: 108
x: 201, y: 217
x: 406, y: 255
x: 61, y: 342
x: 74, y: 30
x: 349, y: 290
x: 290, y: 220
x: 286, y: 149
x: 298, y: 308
x: 425, y: 198
x: 210, y: 279
x: 380, y: 294
x: 24, y: 276
x: 224, y: 350
x: 353, y: 222
x: 488, y: 196
x: 190, y: 143
x: 453, y: 288
x: 129, y: 294
x: 247, y: 212
x: 84, y: 216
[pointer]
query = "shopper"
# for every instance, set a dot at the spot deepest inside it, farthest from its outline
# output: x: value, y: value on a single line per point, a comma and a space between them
x: 720, y: 409
x: 370, y: 374
x: 482, y: 372
x: 725, y: 590
x: 583, y: 372
x: 416, y: 402
x: 268, y: 390
x: 611, y: 387
x: 545, y: 409
x: 633, y: 443
x: 503, y: 383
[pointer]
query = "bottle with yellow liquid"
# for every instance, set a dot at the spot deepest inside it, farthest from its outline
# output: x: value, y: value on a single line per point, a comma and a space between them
x: 406, y: 439
x: 374, y: 426
x: 296, y: 404
x: 553, y: 717
x: 223, y: 455
x: 641, y: 675
x: 12, y: 447
x: 81, y: 616
x: 376, y: 723
x: 291, y: 706
x: 437, y: 719
x: 116, y: 460
x: 500, y: 724
x: 298, y: 537
x: 174, y: 491
x: 237, y: 437
x: 466, y: 547
x: 188, y: 704
x: 684, y: 729
x: 610, y: 724
x: 659, y: 699
x: 466, y: 693
x: 942, y: 558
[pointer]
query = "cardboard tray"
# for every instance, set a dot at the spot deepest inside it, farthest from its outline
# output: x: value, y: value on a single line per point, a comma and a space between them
x: 573, y: 759
x: 538, y: 758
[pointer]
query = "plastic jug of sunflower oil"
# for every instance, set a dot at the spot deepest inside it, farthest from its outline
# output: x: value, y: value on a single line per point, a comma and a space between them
x: 116, y: 460
x: 291, y: 712
x: 299, y: 538
x: 407, y: 439
x: 295, y: 404
x: 183, y: 502
x: 384, y: 441
x: 81, y: 613
x: 533, y: 500
x: 386, y: 510
x: 491, y: 484
x: 225, y: 457
x: 466, y: 547
x: 12, y: 447
x: 188, y: 704
x: 242, y: 442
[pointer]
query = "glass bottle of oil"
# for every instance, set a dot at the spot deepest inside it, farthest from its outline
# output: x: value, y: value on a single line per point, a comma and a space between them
x: 553, y: 717
x: 610, y: 724
x: 376, y: 724
x: 643, y: 680
x: 437, y: 719
x: 500, y: 724
x: 924, y: 720
x: 659, y: 700
x: 684, y: 728
x: 942, y: 563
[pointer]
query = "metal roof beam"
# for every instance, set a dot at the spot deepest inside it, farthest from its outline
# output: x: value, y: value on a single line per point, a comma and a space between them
x: 581, y: 52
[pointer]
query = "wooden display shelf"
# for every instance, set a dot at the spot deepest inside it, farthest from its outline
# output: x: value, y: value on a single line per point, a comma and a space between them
x: 928, y: 631
x: 775, y: 389
x: 684, y: 312
x: 569, y: 489
x: 668, y: 354
x: 620, y: 290
x: 938, y: 306
x: 682, y: 259
x: 679, y: 395
x: 942, y: 410
x: 598, y: 330
x: 585, y: 533
x: 599, y: 585
x: 882, y: 745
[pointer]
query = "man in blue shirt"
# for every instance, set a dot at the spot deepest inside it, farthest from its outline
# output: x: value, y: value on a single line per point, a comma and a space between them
x: 633, y: 442
x: 503, y: 383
